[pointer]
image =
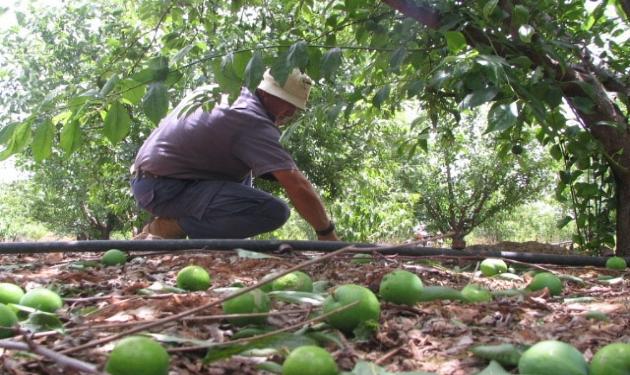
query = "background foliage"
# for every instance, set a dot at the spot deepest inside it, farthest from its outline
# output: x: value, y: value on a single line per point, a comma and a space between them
x: 82, y: 87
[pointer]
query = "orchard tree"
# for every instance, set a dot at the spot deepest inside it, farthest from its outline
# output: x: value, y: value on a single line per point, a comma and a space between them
x: 466, y: 178
x: 553, y: 66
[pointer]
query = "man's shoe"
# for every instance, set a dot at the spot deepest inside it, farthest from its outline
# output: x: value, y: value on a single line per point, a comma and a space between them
x: 163, y: 228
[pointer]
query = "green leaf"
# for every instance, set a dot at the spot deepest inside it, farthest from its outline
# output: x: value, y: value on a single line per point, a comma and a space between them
x: 455, y: 40
x: 254, y: 71
x: 505, y: 354
x: 563, y: 222
x: 331, y: 63
x: 381, y: 95
x: 397, y: 58
x: 298, y: 55
x: 584, y: 104
x: 501, y: 117
x: 494, y: 368
x: 132, y: 91
x: 414, y: 88
x: 556, y: 152
x: 117, y: 123
x: 292, y: 296
x: 333, y: 112
x: 284, y: 341
x: 70, y: 138
x: 520, y: 15
x: 525, y: 33
x: 43, y: 140
x: 596, y: 315
x: 370, y: 368
x: 586, y: 190
x: 242, y: 253
x: 268, y: 366
x: 155, y: 102
x: 280, y: 69
x: 15, y: 137
x: 314, y: 63
x: 40, y: 321
x: 478, y: 97
x: 182, y: 53
x: 239, y: 63
x: 109, y: 85
x: 434, y: 293
x: 489, y: 8
x: 159, y: 68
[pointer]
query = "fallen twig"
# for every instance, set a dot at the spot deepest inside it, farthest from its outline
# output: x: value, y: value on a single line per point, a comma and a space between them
x: 268, y: 334
x: 57, y: 357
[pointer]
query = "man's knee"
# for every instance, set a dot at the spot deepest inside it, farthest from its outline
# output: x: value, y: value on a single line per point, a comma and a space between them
x: 277, y: 211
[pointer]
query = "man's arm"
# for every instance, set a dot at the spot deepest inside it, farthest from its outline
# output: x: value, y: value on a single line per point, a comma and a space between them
x: 306, y: 201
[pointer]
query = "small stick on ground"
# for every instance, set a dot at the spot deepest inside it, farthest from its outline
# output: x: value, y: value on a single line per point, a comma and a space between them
x: 56, y: 357
x: 387, y: 355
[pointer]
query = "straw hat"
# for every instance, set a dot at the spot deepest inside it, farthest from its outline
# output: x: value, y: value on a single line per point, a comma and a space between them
x: 294, y: 91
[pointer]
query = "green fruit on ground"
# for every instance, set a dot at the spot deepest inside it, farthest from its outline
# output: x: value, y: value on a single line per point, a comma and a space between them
x: 493, y: 266
x: 8, y: 319
x: 616, y: 263
x: 10, y: 293
x: 361, y: 259
x: 42, y: 299
x: 114, y: 257
x: 255, y: 301
x: 193, y: 278
x: 401, y: 287
x: 612, y: 359
x: 298, y: 281
x: 552, y: 358
x: 367, y: 309
x: 474, y: 293
x: 546, y: 280
x: 309, y: 360
x: 269, y: 286
x: 138, y: 355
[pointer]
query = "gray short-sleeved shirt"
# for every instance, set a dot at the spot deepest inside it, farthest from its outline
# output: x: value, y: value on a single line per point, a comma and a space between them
x: 226, y: 143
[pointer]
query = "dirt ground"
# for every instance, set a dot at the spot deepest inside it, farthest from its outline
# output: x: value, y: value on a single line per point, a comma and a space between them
x: 434, y: 337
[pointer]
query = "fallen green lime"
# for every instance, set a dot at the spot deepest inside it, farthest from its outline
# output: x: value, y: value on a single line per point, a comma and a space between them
x: 298, y: 281
x: 10, y: 293
x: 367, y: 309
x: 546, y: 280
x: 552, y: 358
x: 255, y: 301
x: 193, y: 278
x: 493, y: 266
x: 42, y: 299
x: 612, y: 359
x: 114, y: 257
x: 309, y: 360
x: 616, y: 263
x: 138, y: 355
x: 401, y: 287
x: 8, y: 319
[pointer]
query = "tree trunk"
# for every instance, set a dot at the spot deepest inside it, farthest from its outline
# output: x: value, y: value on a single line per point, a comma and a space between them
x: 623, y: 217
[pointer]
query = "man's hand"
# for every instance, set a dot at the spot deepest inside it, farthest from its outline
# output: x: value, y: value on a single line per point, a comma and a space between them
x: 305, y: 200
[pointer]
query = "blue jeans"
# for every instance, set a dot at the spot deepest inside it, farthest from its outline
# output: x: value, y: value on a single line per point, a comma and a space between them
x: 211, y: 209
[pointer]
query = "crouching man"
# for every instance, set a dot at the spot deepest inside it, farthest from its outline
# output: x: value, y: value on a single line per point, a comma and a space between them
x: 194, y: 172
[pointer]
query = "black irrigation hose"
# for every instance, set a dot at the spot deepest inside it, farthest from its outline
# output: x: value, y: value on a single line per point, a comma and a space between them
x: 274, y: 245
